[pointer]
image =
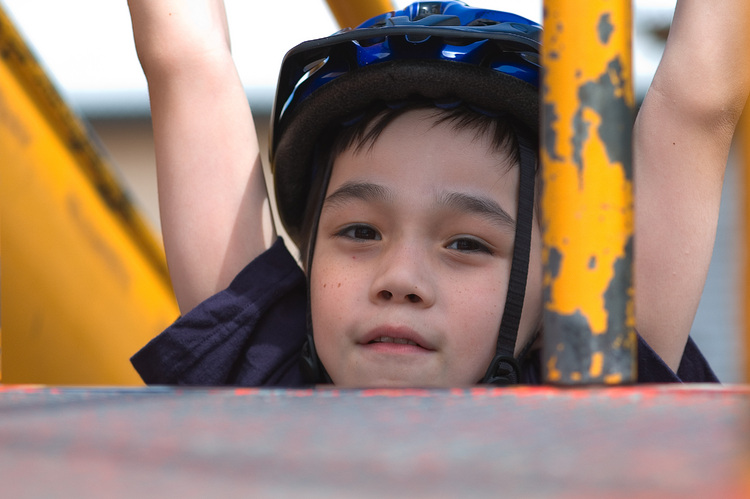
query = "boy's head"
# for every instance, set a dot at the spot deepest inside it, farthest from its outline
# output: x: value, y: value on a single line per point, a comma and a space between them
x: 420, y: 239
x: 413, y: 251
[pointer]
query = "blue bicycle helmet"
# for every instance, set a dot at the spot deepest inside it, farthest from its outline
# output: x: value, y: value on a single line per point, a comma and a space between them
x: 431, y: 50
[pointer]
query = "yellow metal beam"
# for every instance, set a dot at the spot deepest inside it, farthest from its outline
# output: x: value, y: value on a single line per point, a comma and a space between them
x: 351, y: 13
x: 84, y: 280
x: 745, y: 255
x: 587, y: 202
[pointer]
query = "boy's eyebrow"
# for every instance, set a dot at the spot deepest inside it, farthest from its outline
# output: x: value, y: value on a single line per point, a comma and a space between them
x: 457, y: 201
x: 478, y: 205
x: 364, y: 191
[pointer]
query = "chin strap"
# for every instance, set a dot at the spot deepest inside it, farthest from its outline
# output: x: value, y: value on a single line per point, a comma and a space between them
x: 312, y: 368
x: 503, y: 371
x: 504, y: 368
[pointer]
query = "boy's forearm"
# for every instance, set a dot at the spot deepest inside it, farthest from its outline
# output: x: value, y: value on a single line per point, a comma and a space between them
x: 212, y: 198
x: 174, y: 34
x: 681, y: 143
x: 707, y: 54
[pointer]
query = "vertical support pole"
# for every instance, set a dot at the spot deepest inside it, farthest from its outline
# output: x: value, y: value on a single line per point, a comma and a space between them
x: 587, y: 201
x: 350, y: 13
x: 744, y: 252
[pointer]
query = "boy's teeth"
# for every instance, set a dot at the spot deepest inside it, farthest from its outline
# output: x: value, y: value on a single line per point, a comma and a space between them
x: 388, y: 339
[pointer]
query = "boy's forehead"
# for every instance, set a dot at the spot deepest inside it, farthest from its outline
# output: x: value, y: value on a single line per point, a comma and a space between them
x: 446, y: 131
x: 432, y: 165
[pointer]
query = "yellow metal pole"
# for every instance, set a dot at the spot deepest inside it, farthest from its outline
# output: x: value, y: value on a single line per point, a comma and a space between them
x: 84, y: 279
x: 350, y: 13
x: 587, y: 201
x: 745, y: 147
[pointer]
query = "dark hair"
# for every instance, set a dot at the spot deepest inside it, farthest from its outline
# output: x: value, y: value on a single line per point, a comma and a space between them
x: 362, y: 131
x: 370, y: 125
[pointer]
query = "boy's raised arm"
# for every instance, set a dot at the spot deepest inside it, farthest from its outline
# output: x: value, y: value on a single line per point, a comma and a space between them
x: 681, y: 142
x: 212, y: 197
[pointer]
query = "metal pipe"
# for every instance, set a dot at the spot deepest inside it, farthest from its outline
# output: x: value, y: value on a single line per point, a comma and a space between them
x: 350, y: 13
x: 587, y: 201
x: 744, y: 135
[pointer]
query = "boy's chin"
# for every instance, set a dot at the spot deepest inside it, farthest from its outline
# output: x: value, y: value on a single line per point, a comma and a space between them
x: 403, y: 381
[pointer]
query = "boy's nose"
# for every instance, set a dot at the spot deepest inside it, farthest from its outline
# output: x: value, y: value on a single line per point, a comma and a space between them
x: 412, y: 297
x: 404, y: 277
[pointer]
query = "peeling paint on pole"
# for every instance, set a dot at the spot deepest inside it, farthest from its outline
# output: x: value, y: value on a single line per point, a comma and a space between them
x: 587, y: 201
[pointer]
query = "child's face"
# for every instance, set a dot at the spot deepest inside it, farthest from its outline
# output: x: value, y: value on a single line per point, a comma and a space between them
x: 412, y: 259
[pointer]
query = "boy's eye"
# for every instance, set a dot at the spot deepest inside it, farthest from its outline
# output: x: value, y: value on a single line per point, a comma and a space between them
x: 360, y: 232
x: 469, y: 245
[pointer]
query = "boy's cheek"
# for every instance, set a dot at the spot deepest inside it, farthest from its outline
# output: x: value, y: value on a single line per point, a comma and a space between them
x: 334, y: 293
x: 335, y: 277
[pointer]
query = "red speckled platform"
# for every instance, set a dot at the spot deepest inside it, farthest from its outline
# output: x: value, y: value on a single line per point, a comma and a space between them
x: 655, y: 441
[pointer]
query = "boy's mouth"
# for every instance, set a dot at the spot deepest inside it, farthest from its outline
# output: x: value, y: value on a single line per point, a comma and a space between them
x: 395, y: 336
x: 388, y: 339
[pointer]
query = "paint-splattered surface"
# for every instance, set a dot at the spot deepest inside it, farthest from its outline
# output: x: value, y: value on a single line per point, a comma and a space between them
x: 660, y: 441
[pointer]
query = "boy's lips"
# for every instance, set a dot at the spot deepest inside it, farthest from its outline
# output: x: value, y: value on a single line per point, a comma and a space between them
x: 395, y: 335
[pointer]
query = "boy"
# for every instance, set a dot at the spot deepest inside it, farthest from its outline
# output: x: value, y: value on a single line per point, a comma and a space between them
x: 412, y: 209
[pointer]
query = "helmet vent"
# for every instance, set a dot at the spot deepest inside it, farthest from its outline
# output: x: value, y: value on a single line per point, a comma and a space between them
x: 482, y: 22
x: 425, y: 9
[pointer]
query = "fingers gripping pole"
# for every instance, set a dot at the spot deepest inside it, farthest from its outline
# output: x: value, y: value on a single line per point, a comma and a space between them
x: 587, y: 201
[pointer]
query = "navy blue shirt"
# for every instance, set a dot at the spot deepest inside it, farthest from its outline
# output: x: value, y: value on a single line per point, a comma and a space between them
x: 252, y: 333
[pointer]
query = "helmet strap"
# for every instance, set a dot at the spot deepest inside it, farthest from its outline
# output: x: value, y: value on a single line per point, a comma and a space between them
x: 312, y: 368
x: 504, y: 368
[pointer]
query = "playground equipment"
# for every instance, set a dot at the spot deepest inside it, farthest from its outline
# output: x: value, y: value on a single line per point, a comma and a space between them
x: 84, y: 281
x: 587, y: 200
x: 84, y: 285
